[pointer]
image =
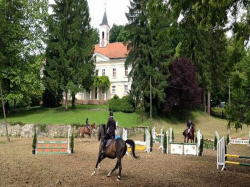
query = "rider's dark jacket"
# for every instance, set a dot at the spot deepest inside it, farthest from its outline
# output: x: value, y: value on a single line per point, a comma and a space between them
x: 111, y: 126
x: 189, y: 124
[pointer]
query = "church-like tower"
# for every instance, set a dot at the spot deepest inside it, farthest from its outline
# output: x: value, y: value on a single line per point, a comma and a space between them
x: 104, y: 31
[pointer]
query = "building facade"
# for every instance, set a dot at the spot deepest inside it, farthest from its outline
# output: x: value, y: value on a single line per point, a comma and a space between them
x: 110, y: 60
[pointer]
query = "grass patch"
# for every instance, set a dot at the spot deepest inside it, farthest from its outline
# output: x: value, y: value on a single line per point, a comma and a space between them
x: 2, y: 142
x: 95, y: 113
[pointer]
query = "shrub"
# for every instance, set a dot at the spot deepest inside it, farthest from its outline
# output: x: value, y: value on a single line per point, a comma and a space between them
x: 144, y: 135
x: 201, y: 146
x: 215, y: 142
x: 52, y: 98
x: 227, y: 142
x: 115, y: 104
x: 172, y: 135
x: 165, y: 140
x: 36, y: 98
x: 72, y: 141
x: 127, y: 104
x: 34, y: 140
x: 151, y: 139
x: 43, y: 127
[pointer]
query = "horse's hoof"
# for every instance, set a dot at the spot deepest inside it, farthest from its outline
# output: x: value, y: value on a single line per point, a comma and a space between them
x: 118, y: 179
x: 108, y: 175
x: 92, y: 173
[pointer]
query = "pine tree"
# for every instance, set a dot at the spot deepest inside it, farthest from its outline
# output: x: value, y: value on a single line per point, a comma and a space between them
x: 150, y: 50
x: 69, y: 64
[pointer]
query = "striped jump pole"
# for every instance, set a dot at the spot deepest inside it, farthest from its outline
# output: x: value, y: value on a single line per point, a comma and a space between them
x: 221, y: 156
x: 237, y: 163
x: 53, y: 147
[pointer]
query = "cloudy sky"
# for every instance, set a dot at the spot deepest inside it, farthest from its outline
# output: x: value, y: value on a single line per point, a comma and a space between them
x: 115, y: 10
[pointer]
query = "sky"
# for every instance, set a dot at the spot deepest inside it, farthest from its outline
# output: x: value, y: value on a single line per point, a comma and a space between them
x: 115, y: 10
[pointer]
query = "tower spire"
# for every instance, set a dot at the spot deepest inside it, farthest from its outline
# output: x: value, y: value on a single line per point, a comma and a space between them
x: 104, y: 29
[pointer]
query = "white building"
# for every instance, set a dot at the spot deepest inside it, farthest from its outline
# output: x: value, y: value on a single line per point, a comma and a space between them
x: 110, y: 59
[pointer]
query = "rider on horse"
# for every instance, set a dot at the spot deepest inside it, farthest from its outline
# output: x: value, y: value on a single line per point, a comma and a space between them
x: 87, y: 125
x: 111, y: 126
x: 189, y: 125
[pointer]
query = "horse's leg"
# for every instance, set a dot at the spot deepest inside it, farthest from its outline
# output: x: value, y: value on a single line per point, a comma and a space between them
x: 79, y: 134
x: 100, y: 158
x: 116, y: 166
x: 120, y: 169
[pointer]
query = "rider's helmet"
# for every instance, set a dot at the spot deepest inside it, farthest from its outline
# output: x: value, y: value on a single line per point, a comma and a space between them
x: 111, y: 113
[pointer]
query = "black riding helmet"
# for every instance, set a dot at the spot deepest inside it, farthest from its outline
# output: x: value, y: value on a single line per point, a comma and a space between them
x: 111, y: 113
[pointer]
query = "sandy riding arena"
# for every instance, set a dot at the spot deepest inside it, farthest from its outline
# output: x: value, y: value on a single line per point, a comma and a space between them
x: 20, y: 168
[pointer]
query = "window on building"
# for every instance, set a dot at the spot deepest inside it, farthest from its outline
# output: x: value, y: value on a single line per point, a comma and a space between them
x: 113, y: 89
x: 103, y: 90
x: 103, y: 72
x: 125, y: 88
x: 126, y: 71
x: 102, y: 35
x: 96, y: 72
x: 114, y: 72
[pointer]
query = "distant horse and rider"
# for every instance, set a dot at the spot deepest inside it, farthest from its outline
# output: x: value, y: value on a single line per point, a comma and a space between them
x: 85, y: 130
x: 189, y: 132
x: 112, y: 148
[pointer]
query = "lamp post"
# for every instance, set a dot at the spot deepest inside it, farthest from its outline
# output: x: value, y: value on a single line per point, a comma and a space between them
x: 150, y: 99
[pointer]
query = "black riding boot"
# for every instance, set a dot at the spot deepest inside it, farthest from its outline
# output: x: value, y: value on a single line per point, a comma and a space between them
x: 103, y: 146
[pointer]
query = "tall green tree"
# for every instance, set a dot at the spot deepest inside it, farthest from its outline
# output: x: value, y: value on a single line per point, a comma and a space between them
x: 239, y: 111
x: 151, y: 50
x: 118, y: 33
x: 19, y: 72
x: 203, y: 39
x: 69, y: 64
x: 138, y: 39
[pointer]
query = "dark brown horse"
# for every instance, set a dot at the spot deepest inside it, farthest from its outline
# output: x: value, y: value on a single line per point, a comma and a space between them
x: 189, y: 135
x: 84, y: 130
x: 117, y: 148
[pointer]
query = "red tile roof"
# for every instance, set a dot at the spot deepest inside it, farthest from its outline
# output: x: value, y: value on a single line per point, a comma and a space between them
x: 112, y: 50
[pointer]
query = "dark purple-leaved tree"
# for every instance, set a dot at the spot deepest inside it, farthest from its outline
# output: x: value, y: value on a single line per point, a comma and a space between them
x: 183, y: 92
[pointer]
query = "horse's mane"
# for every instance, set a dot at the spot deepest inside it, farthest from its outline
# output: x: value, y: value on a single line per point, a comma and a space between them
x: 102, y: 131
x: 104, y: 128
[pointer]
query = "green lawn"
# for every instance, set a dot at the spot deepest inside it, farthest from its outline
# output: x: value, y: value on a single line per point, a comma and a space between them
x: 95, y: 113
x: 99, y: 114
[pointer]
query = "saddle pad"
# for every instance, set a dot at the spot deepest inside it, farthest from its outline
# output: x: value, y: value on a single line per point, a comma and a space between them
x: 108, y: 142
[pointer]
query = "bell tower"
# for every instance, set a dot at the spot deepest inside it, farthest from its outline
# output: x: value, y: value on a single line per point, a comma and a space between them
x: 104, y: 31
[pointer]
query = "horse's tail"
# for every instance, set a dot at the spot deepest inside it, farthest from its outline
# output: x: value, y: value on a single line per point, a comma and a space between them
x: 184, y: 132
x: 132, y: 144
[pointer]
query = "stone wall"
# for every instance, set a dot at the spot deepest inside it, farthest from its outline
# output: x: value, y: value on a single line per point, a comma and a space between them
x: 53, y: 131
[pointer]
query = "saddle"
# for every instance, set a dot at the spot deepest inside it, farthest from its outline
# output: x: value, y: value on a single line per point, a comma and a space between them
x: 108, y: 142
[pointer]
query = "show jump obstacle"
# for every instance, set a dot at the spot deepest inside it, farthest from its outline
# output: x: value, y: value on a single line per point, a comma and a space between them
x: 221, y: 156
x: 140, y: 145
x: 185, y: 148
x: 240, y: 140
x: 209, y: 143
x: 53, y: 147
